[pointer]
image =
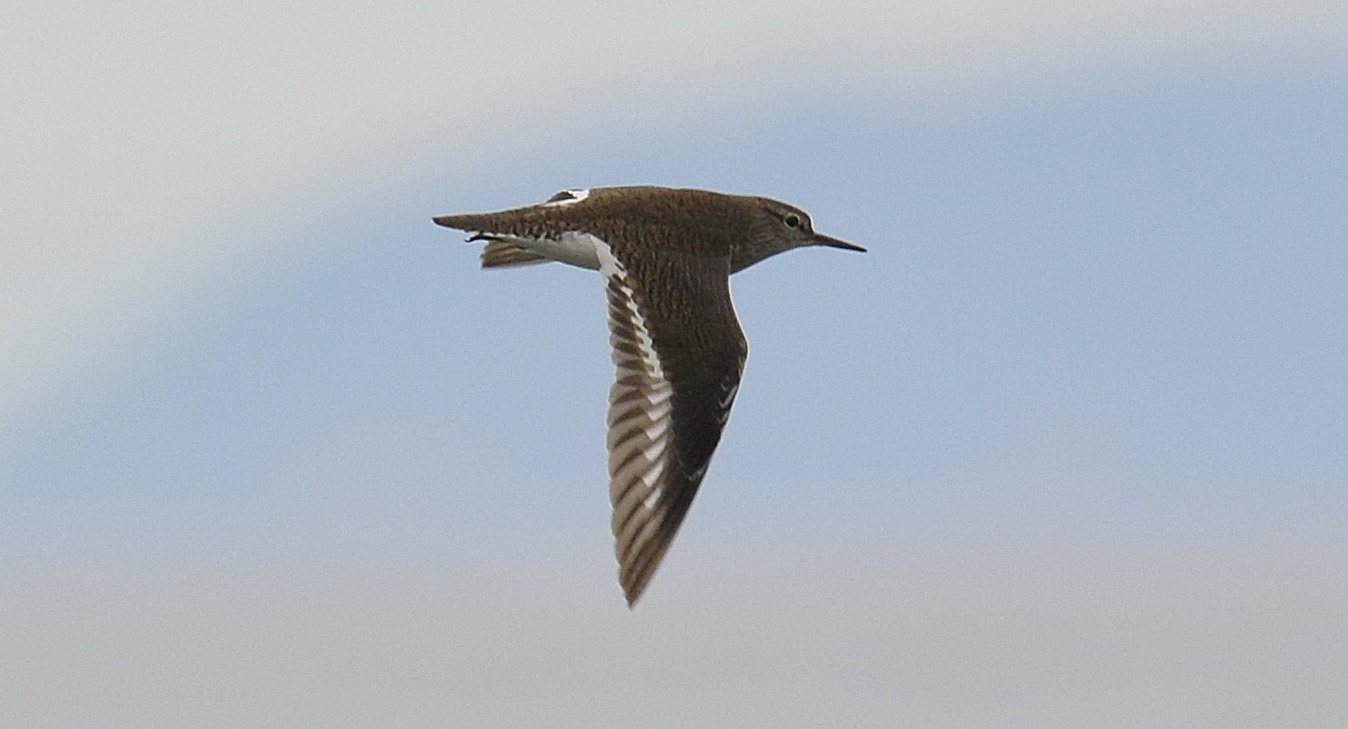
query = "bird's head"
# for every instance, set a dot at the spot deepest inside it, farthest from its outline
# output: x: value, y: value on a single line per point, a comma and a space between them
x: 779, y: 227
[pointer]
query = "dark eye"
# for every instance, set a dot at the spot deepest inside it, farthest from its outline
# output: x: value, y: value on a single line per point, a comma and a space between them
x: 792, y: 220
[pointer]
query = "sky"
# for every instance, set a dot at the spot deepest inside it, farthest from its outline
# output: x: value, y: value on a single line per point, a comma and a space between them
x: 1064, y: 448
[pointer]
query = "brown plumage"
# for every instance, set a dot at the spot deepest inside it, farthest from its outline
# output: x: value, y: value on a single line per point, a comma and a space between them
x: 666, y: 256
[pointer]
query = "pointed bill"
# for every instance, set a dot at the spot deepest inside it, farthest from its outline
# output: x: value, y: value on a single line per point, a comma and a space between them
x: 831, y: 242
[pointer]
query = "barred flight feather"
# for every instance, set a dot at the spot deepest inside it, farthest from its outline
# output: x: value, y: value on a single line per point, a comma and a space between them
x: 640, y: 435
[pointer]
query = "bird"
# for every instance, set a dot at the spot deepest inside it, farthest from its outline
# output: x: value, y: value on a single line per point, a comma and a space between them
x: 665, y: 256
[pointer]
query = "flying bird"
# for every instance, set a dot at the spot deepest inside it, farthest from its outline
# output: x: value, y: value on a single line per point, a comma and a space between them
x: 666, y: 256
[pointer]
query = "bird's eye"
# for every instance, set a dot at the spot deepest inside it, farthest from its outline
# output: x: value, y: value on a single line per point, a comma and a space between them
x: 792, y: 220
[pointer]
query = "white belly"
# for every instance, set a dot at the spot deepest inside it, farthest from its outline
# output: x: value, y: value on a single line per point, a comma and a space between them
x: 577, y: 249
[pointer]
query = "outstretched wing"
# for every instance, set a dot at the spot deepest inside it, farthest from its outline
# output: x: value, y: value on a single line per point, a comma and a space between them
x: 679, y: 352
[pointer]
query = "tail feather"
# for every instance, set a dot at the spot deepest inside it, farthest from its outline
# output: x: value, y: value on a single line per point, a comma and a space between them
x: 500, y: 254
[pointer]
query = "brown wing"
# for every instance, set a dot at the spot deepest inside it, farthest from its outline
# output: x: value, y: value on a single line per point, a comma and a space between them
x: 679, y: 355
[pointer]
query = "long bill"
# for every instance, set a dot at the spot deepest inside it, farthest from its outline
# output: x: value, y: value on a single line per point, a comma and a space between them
x: 823, y: 240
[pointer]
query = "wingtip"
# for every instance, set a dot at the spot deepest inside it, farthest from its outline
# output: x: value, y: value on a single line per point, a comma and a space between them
x: 632, y: 593
x: 635, y: 573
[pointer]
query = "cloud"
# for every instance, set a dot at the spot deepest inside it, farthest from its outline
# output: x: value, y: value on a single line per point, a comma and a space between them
x: 144, y: 143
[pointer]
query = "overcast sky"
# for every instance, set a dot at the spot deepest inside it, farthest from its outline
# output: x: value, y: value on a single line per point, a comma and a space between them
x: 1065, y: 448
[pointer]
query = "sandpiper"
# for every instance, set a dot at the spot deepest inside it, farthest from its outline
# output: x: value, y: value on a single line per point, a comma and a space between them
x: 666, y: 256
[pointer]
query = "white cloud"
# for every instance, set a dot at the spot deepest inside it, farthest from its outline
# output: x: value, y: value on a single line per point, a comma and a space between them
x: 140, y: 139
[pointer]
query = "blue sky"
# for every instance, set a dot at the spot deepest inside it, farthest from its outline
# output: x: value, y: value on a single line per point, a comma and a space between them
x: 1091, y: 367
